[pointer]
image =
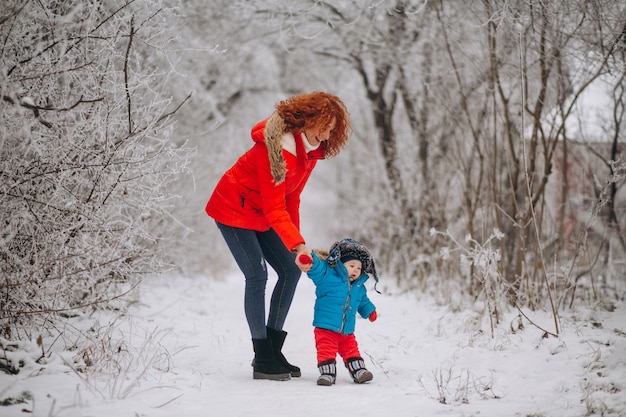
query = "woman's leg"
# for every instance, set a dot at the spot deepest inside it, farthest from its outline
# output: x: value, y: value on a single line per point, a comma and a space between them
x: 283, y: 262
x: 246, y: 249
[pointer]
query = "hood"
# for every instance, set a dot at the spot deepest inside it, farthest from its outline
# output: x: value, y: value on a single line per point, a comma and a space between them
x: 350, y: 247
x: 270, y: 131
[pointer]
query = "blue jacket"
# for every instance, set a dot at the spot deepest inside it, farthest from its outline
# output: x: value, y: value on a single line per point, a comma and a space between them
x: 337, y: 300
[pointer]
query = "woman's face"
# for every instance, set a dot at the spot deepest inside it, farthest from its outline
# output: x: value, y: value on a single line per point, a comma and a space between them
x: 315, y: 136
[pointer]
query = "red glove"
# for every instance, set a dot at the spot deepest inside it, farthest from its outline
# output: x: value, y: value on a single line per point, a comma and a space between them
x: 373, y: 316
x: 305, y: 259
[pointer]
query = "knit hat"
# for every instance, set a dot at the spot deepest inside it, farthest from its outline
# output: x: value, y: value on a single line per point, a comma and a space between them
x: 347, y: 258
x: 347, y: 249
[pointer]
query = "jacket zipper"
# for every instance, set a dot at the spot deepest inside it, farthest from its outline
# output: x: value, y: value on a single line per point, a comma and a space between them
x: 345, y: 307
x: 243, y: 199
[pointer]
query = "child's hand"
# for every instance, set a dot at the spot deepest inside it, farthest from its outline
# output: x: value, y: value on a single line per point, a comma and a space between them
x: 373, y: 316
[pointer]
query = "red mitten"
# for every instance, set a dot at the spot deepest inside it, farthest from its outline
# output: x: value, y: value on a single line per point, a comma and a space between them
x: 373, y: 316
x: 305, y: 259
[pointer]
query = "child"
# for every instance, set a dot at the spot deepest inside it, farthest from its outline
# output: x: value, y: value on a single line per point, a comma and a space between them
x: 339, y: 277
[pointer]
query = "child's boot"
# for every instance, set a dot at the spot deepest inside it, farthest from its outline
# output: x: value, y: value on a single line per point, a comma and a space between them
x: 359, y: 374
x: 328, y: 371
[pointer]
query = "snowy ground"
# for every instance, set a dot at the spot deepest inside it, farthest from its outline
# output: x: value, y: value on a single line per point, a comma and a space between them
x: 185, y: 351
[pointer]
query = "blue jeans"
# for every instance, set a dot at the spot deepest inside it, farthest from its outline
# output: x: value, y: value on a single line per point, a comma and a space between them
x: 251, y: 251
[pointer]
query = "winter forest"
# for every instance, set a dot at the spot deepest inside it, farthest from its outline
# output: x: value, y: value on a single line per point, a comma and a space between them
x: 486, y: 165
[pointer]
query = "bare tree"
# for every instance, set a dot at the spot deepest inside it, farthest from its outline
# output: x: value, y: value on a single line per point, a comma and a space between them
x: 463, y: 117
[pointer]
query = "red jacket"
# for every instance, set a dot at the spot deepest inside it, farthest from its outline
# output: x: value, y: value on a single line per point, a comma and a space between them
x: 262, y: 189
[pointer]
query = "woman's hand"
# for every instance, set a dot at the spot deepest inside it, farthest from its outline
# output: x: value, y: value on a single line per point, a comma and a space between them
x: 303, y: 258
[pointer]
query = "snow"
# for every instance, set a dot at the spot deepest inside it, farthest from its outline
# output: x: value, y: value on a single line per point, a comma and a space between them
x: 186, y: 351
x: 589, y: 120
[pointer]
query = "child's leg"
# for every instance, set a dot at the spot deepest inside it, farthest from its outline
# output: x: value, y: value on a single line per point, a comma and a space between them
x: 357, y: 369
x: 328, y: 372
x: 326, y: 345
x: 348, y: 347
x: 349, y: 350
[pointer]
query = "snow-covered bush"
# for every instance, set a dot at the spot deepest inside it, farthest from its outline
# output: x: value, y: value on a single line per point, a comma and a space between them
x: 85, y: 155
x: 481, y: 263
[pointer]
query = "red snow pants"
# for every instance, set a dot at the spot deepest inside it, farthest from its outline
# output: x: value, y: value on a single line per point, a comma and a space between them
x: 329, y: 343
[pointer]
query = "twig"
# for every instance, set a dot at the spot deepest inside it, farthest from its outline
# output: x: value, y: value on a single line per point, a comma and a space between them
x: 533, y: 323
x: 531, y: 207
x: 175, y: 110
x: 77, y: 307
x: 48, y: 108
x: 169, y: 401
x: 126, y: 59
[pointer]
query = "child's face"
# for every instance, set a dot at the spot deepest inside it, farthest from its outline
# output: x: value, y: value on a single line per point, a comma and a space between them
x: 353, y: 266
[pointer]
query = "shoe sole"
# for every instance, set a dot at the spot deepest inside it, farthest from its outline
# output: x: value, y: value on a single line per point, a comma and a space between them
x: 294, y: 374
x: 271, y: 377
x: 324, y: 383
x: 366, y: 377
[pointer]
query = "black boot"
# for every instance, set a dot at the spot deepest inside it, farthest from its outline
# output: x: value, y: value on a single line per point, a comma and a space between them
x: 277, y: 337
x: 265, y: 364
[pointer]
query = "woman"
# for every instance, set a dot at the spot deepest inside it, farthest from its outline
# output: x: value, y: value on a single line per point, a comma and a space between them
x: 256, y: 207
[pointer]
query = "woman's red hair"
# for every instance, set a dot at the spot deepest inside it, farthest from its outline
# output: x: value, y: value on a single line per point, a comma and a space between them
x: 316, y: 111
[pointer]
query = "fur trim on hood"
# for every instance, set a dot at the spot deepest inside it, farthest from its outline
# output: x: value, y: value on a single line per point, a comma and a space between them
x: 322, y: 254
x: 273, y: 133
